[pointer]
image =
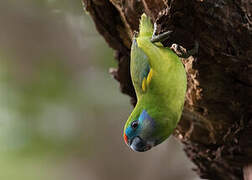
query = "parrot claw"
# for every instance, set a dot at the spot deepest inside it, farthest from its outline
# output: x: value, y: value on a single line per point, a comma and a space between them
x: 182, y: 53
x: 161, y: 37
x: 135, y: 34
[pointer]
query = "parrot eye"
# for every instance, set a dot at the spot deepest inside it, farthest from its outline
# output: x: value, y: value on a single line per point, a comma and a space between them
x: 134, y: 124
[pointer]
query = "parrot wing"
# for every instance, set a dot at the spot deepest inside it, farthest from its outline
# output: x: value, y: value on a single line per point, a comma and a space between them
x: 141, y: 71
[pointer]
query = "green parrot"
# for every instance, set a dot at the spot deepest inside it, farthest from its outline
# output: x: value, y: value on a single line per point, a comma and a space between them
x: 159, y: 79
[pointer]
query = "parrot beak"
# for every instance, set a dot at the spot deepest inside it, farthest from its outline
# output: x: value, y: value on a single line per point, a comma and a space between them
x: 139, y: 145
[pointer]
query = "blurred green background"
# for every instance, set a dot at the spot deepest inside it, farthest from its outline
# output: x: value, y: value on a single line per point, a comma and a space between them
x: 61, y: 113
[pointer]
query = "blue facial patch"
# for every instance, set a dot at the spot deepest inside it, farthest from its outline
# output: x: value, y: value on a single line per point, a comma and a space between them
x: 144, y: 121
x: 143, y: 117
x: 132, y: 132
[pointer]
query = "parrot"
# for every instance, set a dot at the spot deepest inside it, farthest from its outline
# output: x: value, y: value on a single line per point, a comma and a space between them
x: 159, y: 80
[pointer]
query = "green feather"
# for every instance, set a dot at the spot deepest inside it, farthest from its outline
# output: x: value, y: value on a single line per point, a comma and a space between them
x: 164, y: 95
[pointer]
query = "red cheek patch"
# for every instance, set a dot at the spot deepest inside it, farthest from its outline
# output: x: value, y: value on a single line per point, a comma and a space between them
x: 125, y: 138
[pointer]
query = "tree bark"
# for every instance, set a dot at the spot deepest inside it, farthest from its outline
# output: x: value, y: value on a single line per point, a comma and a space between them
x: 216, y: 126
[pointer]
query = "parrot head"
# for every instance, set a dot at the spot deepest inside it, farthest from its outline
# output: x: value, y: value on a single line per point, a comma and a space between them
x: 141, y: 132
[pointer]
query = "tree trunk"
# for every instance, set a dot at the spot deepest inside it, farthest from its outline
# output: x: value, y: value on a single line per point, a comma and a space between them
x: 216, y: 126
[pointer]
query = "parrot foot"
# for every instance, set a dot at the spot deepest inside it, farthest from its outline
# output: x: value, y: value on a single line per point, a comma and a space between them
x: 182, y: 53
x: 177, y: 49
x: 161, y: 37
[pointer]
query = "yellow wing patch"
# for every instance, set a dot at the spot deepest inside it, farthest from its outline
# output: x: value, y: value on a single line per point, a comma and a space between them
x: 146, y: 82
x: 149, y: 77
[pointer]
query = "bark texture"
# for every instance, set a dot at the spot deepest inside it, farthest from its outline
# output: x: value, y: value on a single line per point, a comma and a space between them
x: 216, y: 126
